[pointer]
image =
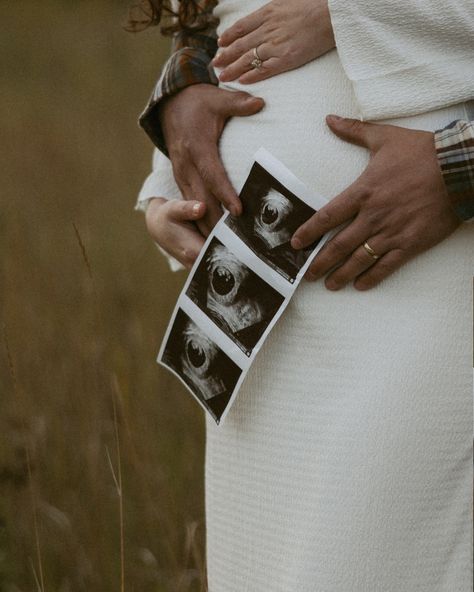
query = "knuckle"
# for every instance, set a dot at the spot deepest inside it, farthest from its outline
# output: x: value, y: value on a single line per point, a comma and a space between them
x: 238, y: 30
x: 361, y: 257
x: 374, y: 217
x: 362, y: 192
x: 239, y: 95
x: 355, y: 125
x: 290, y: 55
x: 338, y: 246
x: 270, y: 11
x: 411, y: 240
x: 325, y: 218
x: 238, y: 47
x: 189, y: 256
x: 386, y: 267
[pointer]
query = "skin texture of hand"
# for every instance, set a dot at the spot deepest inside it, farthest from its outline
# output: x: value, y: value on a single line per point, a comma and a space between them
x: 399, y: 206
x: 172, y: 225
x: 192, y: 122
x: 287, y: 35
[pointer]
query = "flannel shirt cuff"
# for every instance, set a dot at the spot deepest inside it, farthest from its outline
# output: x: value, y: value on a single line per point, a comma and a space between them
x: 188, y: 66
x: 455, y: 149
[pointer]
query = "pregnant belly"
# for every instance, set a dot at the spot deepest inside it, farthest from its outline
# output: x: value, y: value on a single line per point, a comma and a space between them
x: 292, y: 127
x: 292, y: 124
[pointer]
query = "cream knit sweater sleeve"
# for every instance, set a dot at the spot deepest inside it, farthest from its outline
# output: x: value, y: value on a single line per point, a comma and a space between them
x: 160, y: 183
x: 406, y: 57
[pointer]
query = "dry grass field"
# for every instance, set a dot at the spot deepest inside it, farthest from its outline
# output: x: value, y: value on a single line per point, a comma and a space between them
x: 101, y: 452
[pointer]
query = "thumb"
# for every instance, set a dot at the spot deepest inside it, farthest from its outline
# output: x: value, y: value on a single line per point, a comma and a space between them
x: 241, y: 104
x: 186, y: 211
x: 361, y: 133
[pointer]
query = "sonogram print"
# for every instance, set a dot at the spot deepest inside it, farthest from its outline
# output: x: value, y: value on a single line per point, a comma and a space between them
x: 204, y: 367
x: 271, y: 215
x: 240, y: 302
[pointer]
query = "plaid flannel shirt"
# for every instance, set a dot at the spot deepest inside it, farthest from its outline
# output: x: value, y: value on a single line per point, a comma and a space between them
x: 190, y: 64
x: 455, y: 149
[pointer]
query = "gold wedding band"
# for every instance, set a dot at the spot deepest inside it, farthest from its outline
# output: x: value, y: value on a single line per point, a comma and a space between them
x: 257, y: 61
x: 370, y: 251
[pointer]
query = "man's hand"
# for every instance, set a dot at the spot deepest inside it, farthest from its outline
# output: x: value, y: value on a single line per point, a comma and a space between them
x: 399, y: 206
x: 192, y: 122
x: 171, y: 224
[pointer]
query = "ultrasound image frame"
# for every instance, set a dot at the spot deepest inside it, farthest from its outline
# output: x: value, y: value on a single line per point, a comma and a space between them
x: 242, y: 311
x: 283, y: 259
x: 223, y: 373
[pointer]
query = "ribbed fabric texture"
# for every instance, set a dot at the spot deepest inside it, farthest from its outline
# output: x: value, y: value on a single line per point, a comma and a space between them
x: 408, y: 56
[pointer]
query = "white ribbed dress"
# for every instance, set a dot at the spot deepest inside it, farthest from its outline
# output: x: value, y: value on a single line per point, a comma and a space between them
x: 345, y: 463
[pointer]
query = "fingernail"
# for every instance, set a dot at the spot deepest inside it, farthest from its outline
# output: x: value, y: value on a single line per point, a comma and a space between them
x: 196, y: 208
x: 234, y: 209
x: 332, y: 285
x: 296, y: 243
x: 334, y: 118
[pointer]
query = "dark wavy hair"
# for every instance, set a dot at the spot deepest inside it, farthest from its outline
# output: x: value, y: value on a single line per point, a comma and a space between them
x: 189, y: 16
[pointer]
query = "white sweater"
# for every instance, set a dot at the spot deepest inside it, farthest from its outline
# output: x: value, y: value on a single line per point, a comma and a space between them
x: 406, y: 57
x: 403, y: 57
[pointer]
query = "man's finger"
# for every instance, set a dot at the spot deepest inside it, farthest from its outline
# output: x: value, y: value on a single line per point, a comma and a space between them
x: 358, y: 262
x: 338, y: 211
x: 212, y: 174
x: 202, y: 193
x: 239, y: 104
x: 361, y: 133
x: 213, y: 214
x: 383, y: 268
x: 339, y: 248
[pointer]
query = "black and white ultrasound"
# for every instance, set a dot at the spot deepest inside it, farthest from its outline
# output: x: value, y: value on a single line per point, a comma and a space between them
x: 240, y: 285
x: 271, y: 215
x: 201, y: 364
x: 239, y: 301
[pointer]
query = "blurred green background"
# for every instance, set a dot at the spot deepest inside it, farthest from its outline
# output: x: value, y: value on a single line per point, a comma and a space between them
x: 101, y: 452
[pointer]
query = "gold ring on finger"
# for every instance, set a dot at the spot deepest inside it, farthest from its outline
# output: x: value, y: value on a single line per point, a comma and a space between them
x: 370, y: 251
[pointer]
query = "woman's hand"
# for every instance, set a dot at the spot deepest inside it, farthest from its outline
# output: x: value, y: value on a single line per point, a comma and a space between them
x: 399, y: 206
x: 287, y: 34
x: 172, y: 225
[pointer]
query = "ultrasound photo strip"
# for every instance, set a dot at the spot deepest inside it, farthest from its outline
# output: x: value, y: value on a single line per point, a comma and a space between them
x: 238, y: 300
x: 239, y: 286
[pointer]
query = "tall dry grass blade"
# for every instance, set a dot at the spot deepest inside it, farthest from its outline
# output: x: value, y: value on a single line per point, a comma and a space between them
x: 16, y: 391
x: 112, y: 470
x: 83, y: 250
x: 35, y: 575
x: 120, y: 491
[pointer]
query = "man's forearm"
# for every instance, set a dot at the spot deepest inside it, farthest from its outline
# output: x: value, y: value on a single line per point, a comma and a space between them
x: 189, y: 63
